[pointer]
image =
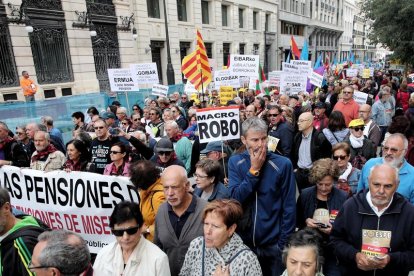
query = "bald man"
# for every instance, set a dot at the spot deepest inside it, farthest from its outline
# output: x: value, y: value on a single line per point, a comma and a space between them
x: 371, y: 130
x: 308, y: 146
x: 179, y: 219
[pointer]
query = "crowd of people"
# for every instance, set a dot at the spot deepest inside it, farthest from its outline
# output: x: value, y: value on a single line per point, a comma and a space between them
x: 334, y: 197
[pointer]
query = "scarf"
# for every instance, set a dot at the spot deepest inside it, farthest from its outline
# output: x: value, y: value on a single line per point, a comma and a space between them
x: 347, y: 172
x: 117, y: 171
x: 40, y: 154
x: 5, y: 142
x: 69, y: 164
x: 356, y: 142
x: 176, y: 137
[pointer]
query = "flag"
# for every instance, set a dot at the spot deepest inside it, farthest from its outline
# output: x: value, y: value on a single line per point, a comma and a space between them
x: 195, y: 66
x: 288, y: 57
x: 318, y: 62
x: 294, y: 48
x: 304, y: 55
x: 259, y: 82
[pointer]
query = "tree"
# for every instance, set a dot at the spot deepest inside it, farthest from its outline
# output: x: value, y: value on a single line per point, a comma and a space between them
x: 392, y: 26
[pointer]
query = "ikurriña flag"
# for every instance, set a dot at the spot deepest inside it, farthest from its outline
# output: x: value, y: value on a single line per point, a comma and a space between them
x: 196, y: 67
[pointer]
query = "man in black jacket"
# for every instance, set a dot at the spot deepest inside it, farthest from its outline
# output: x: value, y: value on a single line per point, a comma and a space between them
x: 11, y: 152
x: 373, y: 233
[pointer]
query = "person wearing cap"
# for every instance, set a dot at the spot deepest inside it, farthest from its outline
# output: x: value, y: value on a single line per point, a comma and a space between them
x: 347, y: 105
x: 110, y: 119
x: 165, y: 155
x: 220, y: 152
x: 280, y: 129
x: 361, y: 147
x: 116, y: 103
x: 320, y: 121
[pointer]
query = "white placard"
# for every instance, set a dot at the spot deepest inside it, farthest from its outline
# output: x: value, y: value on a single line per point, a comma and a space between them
x: 213, y: 65
x: 244, y: 65
x: 360, y: 97
x: 121, y: 80
x: 316, y: 79
x: 252, y: 83
x: 218, y: 124
x: 274, y: 78
x: 371, y: 71
x: 350, y: 73
x: 160, y: 90
x: 225, y: 78
x: 145, y: 73
x: 293, y: 79
x: 77, y: 201
x: 306, y: 64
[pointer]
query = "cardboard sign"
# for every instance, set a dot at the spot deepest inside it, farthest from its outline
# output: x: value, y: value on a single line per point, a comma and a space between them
x: 350, y: 73
x: 78, y: 201
x: 121, y: 80
x: 225, y: 78
x: 272, y: 143
x: 274, y: 78
x: 218, y: 124
x: 213, y: 65
x: 145, y: 73
x: 226, y: 94
x: 292, y: 80
x: 160, y: 90
x: 244, y: 65
x: 316, y: 79
x: 375, y: 242
x: 360, y: 97
x: 366, y: 73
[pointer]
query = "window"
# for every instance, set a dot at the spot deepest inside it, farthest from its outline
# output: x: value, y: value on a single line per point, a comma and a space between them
x: 241, y: 18
x: 255, y: 49
x: 267, y: 23
x: 241, y: 48
x: 204, y: 12
x: 226, y: 53
x: 182, y: 10
x: 255, y: 15
x: 209, y: 49
x: 153, y: 7
x: 224, y: 15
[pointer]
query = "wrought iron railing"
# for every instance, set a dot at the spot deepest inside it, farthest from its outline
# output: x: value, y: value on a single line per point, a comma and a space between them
x: 8, y: 71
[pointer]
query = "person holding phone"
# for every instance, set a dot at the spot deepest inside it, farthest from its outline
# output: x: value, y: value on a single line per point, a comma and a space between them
x: 318, y: 205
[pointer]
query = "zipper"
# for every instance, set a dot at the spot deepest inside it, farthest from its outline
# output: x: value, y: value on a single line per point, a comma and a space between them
x: 254, y: 225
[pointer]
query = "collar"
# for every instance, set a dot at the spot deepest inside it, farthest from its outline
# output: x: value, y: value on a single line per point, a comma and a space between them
x: 307, y: 136
x: 374, y: 208
x: 191, y: 208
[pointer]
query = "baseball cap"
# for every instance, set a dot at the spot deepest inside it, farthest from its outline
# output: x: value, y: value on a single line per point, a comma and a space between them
x: 213, y: 146
x: 356, y: 122
x: 164, y: 144
x: 108, y: 115
x: 117, y: 103
x: 320, y: 105
x: 294, y: 97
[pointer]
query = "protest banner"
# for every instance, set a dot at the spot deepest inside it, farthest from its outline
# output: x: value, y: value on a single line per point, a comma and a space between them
x: 293, y: 79
x: 316, y: 79
x: 305, y: 64
x: 160, y: 90
x: 225, y: 78
x: 78, y: 201
x: 274, y: 78
x: 218, y: 124
x: 360, y: 97
x: 121, y: 80
x: 350, y: 73
x: 145, y: 73
x: 244, y: 81
x: 226, y: 94
x: 244, y: 65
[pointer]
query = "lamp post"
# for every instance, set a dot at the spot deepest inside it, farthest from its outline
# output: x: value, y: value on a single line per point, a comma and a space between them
x: 170, y: 69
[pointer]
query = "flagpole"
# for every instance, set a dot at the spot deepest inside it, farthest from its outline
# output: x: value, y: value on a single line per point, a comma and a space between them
x: 202, y: 85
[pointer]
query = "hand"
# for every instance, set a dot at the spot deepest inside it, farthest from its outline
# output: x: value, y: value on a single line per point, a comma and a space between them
x: 380, y: 263
x: 258, y: 157
x: 67, y: 170
x: 226, y: 180
x: 4, y: 162
x: 363, y: 261
x: 222, y: 271
x: 121, y: 132
x: 310, y: 222
x: 326, y: 230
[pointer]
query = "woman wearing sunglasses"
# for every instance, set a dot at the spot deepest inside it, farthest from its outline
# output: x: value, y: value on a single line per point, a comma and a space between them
x: 348, y: 180
x: 362, y: 149
x: 131, y: 254
x: 120, y: 160
x: 165, y: 155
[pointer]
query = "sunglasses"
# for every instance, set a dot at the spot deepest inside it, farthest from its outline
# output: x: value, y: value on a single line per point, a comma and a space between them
x: 152, y: 114
x: 101, y: 127
x: 135, y: 109
x: 164, y: 152
x: 339, y: 157
x: 114, y: 152
x: 136, y: 120
x: 129, y: 231
x: 124, y: 124
x: 358, y: 128
x: 272, y: 115
x: 184, y: 98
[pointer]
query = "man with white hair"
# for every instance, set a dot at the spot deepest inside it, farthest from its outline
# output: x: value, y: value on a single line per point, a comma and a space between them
x: 46, y: 157
x: 393, y: 151
x: 182, y: 145
x: 121, y: 114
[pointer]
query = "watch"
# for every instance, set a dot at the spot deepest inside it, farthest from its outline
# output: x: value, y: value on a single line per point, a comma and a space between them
x: 254, y: 172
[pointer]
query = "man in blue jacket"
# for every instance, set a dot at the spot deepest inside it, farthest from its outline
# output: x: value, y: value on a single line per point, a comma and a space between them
x: 263, y: 182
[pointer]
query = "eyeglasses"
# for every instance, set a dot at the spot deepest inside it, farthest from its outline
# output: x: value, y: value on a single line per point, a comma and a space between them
x: 272, y: 115
x: 124, y: 124
x: 129, y: 231
x: 200, y: 176
x: 358, y: 128
x: 164, y: 152
x: 136, y: 119
x: 31, y: 267
x: 135, y: 109
x: 153, y: 114
x: 100, y: 127
x: 184, y: 98
x: 114, y: 152
x: 339, y: 157
x: 393, y: 150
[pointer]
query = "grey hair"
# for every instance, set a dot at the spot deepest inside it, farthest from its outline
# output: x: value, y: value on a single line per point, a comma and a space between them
x: 396, y: 171
x: 48, y: 120
x: 41, y: 127
x: 172, y: 124
x: 140, y: 136
x: 66, y: 251
x: 121, y: 109
x: 4, y: 126
x: 47, y: 135
x: 254, y: 124
x: 4, y: 196
x: 398, y: 135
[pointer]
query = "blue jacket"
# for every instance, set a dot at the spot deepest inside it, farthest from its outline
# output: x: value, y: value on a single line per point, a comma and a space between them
x: 285, y: 132
x: 355, y: 215
x: 219, y: 192
x: 268, y: 199
x: 379, y: 114
x: 406, y: 173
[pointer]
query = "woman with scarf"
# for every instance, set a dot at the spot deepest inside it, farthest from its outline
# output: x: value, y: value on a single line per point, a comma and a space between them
x: 178, y: 114
x: 165, y: 155
x: 362, y: 149
x: 120, y: 160
x: 336, y: 132
x: 78, y: 156
x: 348, y: 180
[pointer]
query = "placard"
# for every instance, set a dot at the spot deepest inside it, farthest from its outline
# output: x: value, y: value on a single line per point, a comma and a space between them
x: 244, y: 65
x: 375, y: 243
x: 121, y: 80
x: 316, y: 79
x: 145, y: 73
x: 226, y: 94
x: 225, y: 78
x: 306, y: 64
x: 160, y: 90
x: 366, y: 73
x: 81, y: 202
x: 350, y: 73
x: 360, y: 97
x: 274, y: 78
x: 189, y: 88
x: 292, y: 80
x: 218, y: 124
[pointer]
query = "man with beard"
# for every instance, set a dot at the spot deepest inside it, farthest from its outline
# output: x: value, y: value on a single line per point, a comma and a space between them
x: 46, y: 157
x: 393, y: 152
x: 373, y: 233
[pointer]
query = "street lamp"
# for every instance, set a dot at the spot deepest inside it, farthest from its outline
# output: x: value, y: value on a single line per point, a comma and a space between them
x: 170, y: 69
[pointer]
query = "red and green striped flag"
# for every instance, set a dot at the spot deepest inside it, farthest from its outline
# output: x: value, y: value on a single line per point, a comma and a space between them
x: 259, y: 82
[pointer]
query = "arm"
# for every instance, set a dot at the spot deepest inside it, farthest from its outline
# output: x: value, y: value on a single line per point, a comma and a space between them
x: 19, y: 156
x: 162, y: 266
x: 187, y: 152
x: 361, y: 182
x: 375, y: 135
x: 145, y: 151
x: 156, y: 201
x: 157, y: 240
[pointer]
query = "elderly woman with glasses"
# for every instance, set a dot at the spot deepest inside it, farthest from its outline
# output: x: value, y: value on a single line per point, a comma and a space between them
x: 120, y: 160
x: 317, y: 206
x: 207, y: 176
x: 362, y: 149
x: 131, y: 254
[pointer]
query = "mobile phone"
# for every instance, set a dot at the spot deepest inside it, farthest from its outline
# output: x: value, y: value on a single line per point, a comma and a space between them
x: 322, y: 225
x: 114, y: 131
x: 380, y: 257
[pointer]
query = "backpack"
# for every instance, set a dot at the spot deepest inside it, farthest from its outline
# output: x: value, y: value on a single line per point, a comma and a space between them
x: 358, y: 161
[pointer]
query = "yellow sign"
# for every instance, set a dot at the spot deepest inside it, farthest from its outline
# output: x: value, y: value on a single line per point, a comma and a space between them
x: 366, y: 73
x: 226, y: 94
